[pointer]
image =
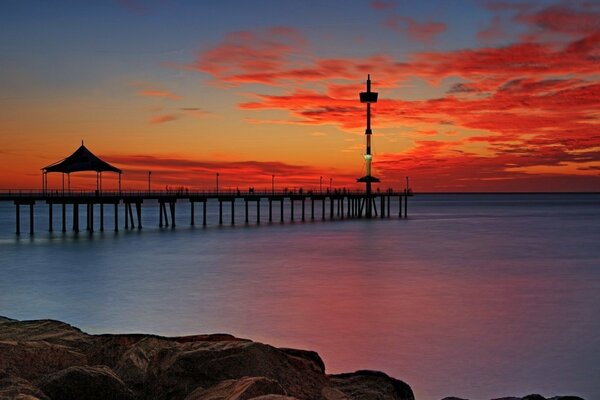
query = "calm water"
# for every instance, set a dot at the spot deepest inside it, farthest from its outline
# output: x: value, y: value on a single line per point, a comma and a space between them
x: 472, y: 296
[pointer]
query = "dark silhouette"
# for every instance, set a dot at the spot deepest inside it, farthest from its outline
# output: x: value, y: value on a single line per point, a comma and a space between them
x: 368, y: 97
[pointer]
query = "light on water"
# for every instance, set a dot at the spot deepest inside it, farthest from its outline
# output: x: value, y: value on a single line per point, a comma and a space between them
x: 477, y: 296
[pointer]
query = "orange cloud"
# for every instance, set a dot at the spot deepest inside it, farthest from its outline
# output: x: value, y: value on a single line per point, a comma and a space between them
x: 160, y: 119
x: 159, y: 93
x: 201, y: 173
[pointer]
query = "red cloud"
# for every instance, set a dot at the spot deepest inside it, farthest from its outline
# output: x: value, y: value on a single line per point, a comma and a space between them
x: 532, y: 104
x: 382, y: 5
x: 422, y: 31
x: 563, y: 19
x: 251, y: 53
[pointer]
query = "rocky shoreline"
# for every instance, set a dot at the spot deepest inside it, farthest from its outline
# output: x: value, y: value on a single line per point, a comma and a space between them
x: 51, y: 360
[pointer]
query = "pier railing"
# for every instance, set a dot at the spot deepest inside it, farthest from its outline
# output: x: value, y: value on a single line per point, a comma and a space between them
x: 14, y: 194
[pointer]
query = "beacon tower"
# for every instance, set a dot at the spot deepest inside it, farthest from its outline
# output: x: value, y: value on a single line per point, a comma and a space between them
x: 368, y: 97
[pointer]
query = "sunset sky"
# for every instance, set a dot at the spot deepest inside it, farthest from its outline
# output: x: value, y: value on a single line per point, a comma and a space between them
x: 474, y: 95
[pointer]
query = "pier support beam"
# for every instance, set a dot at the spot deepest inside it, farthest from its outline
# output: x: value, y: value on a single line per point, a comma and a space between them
x: 101, y: 217
x: 270, y: 210
x: 291, y: 209
x: 220, y: 212
x: 126, y: 215
x: 64, y: 217
x: 389, y: 209
x: 382, y: 207
x: 160, y: 214
x: 303, y: 209
x: 138, y: 209
x: 282, y: 209
x: 400, y: 206
x: 246, y: 207
x: 312, y: 209
x: 76, y: 217
x: 233, y: 211
x: 91, y: 217
x: 204, y: 212
x: 116, y: 217
x: 258, y: 211
x: 18, y: 215
x: 50, y: 218
x: 192, y: 222
x: 172, y: 206
x: 331, y: 200
x: 31, y: 219
x: 323, y: 210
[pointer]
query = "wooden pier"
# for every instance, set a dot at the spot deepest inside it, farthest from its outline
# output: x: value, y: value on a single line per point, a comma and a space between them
x: 333, y: 205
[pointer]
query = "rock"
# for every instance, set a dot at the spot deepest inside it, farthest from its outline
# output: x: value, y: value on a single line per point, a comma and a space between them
x: 47, y: 330
x: 177, y: 370
x: 456, y: 398
x: 33, y: 359
x: 312, y: 357
x: 49, y: 359
x: 12, y: 387
x: 242, y: 389
x: 88, y: 382
x: 371, y: 385
x: 565, y: 398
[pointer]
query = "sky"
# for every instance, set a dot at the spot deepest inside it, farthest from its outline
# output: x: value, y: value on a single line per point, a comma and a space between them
x: 474, y: 95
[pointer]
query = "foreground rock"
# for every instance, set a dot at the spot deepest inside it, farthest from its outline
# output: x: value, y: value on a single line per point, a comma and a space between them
x: 528, y: 397
x: 51, y: 360
x: 48, y: 359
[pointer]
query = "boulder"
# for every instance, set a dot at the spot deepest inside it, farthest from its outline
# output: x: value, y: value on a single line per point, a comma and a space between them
x: 12, y: 387
x: 371, y: 385
x: 87, y: 382
x: 177, y: 370
x: 242, y: 389
x: 33, y: 359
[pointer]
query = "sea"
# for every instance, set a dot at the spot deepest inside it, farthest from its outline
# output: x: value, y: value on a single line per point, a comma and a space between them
x: 478, y: 296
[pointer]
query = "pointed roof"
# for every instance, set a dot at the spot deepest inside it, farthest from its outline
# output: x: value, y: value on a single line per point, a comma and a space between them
x: 81, y: 160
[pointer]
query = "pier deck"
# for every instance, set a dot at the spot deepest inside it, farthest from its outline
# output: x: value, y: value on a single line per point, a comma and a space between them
x: 334, y: 204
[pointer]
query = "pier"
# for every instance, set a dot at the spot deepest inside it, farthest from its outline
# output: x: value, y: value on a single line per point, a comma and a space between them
x: 331, y: 204
x: 328, y: 205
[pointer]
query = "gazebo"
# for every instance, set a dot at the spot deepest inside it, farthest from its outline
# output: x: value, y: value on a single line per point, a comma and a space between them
x: 81, y: 160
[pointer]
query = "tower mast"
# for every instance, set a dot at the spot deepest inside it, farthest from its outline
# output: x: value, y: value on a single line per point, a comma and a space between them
x: 368, y: 97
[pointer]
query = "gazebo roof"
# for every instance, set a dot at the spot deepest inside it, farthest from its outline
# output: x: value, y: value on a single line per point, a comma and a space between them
x: 81, y: 160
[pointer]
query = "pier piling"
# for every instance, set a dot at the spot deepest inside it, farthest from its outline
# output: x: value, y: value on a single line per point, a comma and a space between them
x: 340, y: 204
x: 18, y: 215
x: 50, y: 217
